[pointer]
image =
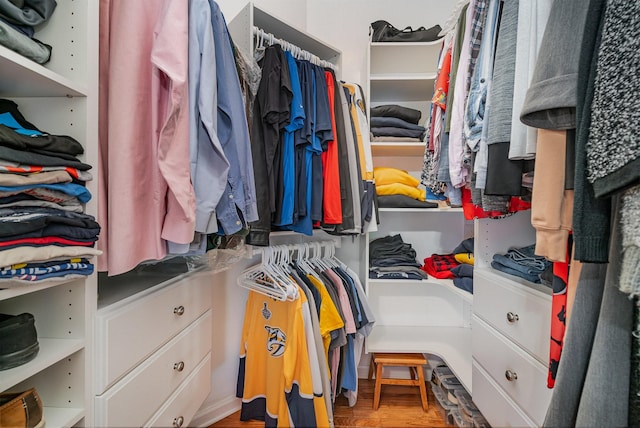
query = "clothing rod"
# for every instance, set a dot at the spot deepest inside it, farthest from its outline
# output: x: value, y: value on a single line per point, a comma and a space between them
x: 297, y: 52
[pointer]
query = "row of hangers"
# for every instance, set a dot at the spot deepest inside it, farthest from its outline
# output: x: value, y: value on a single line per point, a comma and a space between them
x: 450, y: 23
x: 262, y: 38
x: 271, y: 276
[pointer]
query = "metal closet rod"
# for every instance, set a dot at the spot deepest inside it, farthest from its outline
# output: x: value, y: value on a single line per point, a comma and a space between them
x: 299, y: 53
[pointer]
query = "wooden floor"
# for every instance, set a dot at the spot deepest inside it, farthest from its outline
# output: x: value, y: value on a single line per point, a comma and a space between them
x: 399, y: 407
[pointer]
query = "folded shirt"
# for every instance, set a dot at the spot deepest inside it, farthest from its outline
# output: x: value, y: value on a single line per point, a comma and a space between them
x: 8, y: 166
x: 509, y: 270
x: 393, y: 110
x: 395, y: 122
x: 387, y: 175
x: 397, y: 132
x: 46, y: 253
x: 440, y: 265
x: 401, y: 189
x: 466, y: 246
x: 463, y: 270
x: 19, y: 42
x: 402, y: 201
x: 50, y: 192
x: 392, y: 139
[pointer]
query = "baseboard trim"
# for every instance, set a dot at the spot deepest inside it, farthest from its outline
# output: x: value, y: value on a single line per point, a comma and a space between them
x: 211, y: 413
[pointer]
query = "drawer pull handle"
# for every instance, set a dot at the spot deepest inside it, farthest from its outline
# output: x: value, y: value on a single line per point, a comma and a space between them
x: 179, y: 366
x: 511, y: 375
x: 511, y: 317
x: 179, y: 310
x: 177, y: 422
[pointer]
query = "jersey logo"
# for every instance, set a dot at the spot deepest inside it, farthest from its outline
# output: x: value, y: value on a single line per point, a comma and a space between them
x: 266, y: 313
x: 276, y: 341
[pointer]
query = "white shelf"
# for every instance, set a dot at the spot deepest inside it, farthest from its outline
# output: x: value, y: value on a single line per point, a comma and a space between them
x: 496, y: 275
x: 51, y: 351
x: 62, y: 417
x: 252, y: 15
x: 21, y: 77
x: 397, y: 148
x: 446, y: 283
x: 421, y: 210
x: 403, y: 76
x: 452, y: 344
x: 406, y: 89
x: 15, y: 289
x: 403, y: 44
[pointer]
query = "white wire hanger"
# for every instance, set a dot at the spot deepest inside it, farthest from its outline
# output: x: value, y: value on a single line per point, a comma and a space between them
x: 268, y: 278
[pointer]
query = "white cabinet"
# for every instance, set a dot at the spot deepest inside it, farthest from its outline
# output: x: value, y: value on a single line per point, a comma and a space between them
x: 511, y: 327
x: 61, y: 98
x: 150, y: 346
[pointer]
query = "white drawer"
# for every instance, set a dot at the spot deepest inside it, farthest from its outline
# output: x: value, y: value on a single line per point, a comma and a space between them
x: 495, y: 405
x: 133, y: 400
x: 129, y: 333
x: 497, y: 355
x: 521, y: 313
x: 182, y: 406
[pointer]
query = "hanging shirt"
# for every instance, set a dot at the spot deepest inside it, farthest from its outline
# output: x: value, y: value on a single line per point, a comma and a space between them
x: 297, y: 118
x: 306, y: 145
x: 329, y: 316
x: 233, y: 133
x: 147, y: 59
x: 323, y: 134
x: 274, y: 377
x: 209, y: 165
x: 271, y: 113
x: 332, y: 203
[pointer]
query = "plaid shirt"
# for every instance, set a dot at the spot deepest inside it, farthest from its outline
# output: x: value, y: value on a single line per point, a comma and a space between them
x: 440, y: 265
x: 477, y: 26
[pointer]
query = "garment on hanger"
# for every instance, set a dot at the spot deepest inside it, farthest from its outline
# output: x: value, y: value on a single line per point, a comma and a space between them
x: 337, y: 303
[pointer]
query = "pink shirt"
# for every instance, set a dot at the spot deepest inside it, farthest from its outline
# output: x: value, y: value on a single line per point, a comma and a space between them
x: 145, y: 194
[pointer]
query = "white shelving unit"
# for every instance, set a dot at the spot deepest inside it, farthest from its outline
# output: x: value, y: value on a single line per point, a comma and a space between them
x: 429, y: 315
x: 250, y: 16
x: 59, y: 97
x: 404, y: 74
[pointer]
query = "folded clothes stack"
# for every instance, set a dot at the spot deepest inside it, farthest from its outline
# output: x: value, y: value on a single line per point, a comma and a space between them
x: 391, y: 122
x: 392, y: 258
x: 396, y: 188
x: 458, y: 265
x: 44, y: 232
x: 18, y: 20
x: 521, y: 262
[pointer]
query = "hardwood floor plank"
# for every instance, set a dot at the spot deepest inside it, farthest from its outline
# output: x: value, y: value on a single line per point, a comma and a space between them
x: 400, y: 407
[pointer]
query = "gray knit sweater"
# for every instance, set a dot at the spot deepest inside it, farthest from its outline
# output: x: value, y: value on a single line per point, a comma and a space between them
x: 613, y: 148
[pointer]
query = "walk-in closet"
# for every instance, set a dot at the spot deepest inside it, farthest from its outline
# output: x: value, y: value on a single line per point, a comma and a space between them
x: 319, y: 213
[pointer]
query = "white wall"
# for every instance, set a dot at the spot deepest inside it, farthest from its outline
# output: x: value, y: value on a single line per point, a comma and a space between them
x: 345, y: 25
x: 293, y: 12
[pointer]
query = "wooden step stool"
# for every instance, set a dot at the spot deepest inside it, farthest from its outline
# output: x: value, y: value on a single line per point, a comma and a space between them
x: 415, y: 362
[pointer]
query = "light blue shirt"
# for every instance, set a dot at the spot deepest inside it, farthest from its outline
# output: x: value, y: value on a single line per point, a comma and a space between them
x: 233, y: 133
x: 475, y: 112
x: 209, y: 165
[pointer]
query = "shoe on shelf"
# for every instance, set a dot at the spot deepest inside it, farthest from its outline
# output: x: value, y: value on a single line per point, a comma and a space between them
x: 18, y: 340
x: 21, y: 410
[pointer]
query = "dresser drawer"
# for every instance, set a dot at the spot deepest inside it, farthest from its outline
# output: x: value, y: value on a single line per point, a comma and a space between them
x: 520, y: 313
x: 133, y: 400
x: 182, y: 406
x: 129, y: 333
x: 495, y: 405
x: 503, y: 360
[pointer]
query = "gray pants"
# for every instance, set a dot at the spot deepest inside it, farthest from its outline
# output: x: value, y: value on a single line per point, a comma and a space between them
x: 592, y: 387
